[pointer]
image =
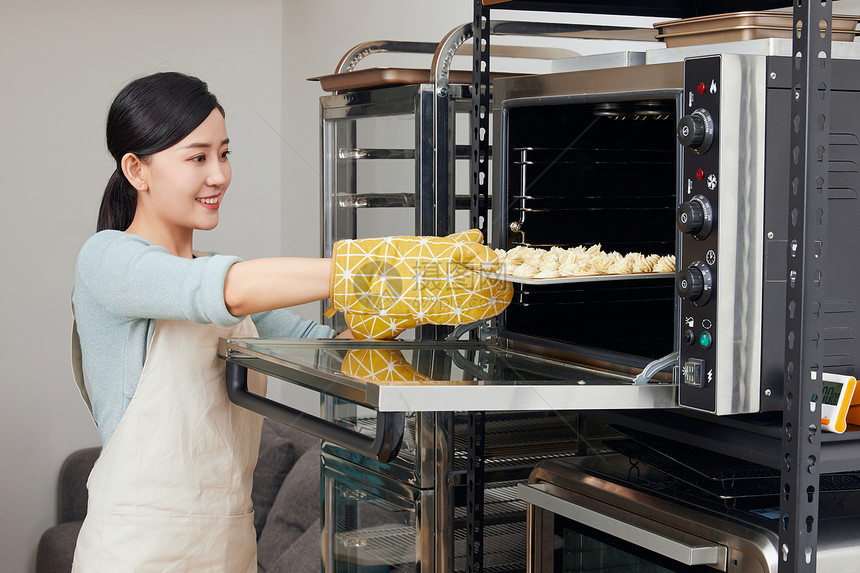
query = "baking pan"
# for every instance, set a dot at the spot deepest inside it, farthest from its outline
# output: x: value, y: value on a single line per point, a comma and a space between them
x: 572, y: 280
x: 739, y: 26
x: 387, y: 77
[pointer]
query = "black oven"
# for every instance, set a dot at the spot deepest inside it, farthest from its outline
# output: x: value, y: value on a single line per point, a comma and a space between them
x: 676, y: 158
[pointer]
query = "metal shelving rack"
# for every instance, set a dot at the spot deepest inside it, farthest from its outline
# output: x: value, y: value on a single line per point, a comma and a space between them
x: 801, y: 457
x: 801, y: 444
x: 433, y: 463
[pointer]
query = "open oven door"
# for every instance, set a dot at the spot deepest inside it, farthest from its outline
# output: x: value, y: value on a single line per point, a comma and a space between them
x: 395, y: 377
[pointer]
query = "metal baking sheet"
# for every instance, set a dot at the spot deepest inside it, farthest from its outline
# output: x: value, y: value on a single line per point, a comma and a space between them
x: 738, y: 35
x: 740, y: 26
x: 387, y: 77
x: 572, y: 280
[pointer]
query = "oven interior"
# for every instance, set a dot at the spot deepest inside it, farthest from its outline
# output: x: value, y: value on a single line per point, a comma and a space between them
x: 580, y: 171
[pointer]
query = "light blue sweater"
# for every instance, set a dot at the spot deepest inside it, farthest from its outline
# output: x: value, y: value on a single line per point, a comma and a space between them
x: 123, y: 284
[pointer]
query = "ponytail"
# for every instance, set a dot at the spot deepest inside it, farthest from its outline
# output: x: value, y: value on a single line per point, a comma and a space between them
x: 118, y: 204
x: 147, y: 116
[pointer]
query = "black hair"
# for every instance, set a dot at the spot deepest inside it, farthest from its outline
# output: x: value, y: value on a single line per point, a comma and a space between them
x: 149, y: 115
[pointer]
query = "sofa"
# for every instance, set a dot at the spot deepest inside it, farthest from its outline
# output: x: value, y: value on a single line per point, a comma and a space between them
x: 286, y: 496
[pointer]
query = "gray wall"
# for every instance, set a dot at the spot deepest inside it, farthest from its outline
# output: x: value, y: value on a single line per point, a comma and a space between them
x: 61, y: 63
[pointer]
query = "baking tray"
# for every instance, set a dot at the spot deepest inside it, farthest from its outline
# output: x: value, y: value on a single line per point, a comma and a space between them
x: 740, y: 26
x: 718, y: 475
x: 388, y: 77
x: 572, y: 280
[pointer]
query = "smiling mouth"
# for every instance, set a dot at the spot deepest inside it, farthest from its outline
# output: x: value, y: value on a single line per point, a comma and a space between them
x: 209, y: 200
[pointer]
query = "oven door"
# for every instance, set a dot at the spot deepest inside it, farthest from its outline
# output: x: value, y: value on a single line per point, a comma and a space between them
x: 609, y: 514
x: 570, y: 536
x: 395, y: 377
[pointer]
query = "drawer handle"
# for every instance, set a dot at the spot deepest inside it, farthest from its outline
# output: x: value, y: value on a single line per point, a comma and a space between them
x: 706, y: 553
x: 383, y: 447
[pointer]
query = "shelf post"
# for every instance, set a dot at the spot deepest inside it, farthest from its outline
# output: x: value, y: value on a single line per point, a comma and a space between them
x: 478, y: 185
x: 808, y: 169
x: 480, y: 118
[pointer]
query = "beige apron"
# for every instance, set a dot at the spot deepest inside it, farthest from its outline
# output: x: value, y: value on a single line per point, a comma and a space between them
x: 171, y: 491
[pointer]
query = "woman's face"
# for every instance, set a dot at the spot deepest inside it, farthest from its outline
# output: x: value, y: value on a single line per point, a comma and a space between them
x: 187, y: 182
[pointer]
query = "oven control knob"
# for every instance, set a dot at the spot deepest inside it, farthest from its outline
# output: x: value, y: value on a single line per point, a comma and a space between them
x: 694, y: 283
x: 695, y: 217
x: 696, y: 131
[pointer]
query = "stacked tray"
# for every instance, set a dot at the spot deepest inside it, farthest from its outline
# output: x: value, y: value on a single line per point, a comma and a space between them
x: 371, y: 78
x: 714, y: 474
x: 738, y: 26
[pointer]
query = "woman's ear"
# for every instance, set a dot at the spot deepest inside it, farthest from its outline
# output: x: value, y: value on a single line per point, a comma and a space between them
x: 132, y: 168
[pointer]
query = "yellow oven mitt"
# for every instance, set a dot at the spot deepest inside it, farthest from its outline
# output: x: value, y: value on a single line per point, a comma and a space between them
x: 386, y: 366
x: 385, y: 286
x: 380, y: 366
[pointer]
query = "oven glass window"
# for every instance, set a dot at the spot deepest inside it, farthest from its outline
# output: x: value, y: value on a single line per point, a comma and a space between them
x: 582, y: 549
x: 586, y: 173
x: 371, y: 534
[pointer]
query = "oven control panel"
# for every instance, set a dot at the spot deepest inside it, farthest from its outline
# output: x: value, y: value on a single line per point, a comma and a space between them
x: 696, y: 216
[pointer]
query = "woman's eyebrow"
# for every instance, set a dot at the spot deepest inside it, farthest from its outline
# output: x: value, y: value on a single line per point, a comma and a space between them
x: 201, y: 144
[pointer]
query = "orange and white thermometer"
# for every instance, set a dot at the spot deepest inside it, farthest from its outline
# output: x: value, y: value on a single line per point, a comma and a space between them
x: 836, y: 394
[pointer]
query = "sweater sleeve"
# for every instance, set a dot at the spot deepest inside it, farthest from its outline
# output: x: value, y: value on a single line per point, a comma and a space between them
x: 281, y: 323
x: 132, y: 278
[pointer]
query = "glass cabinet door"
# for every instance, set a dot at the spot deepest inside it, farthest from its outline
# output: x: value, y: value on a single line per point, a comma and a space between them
x: 374, y: 523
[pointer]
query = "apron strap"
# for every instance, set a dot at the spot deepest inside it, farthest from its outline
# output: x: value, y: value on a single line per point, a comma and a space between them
x: 78, y: 362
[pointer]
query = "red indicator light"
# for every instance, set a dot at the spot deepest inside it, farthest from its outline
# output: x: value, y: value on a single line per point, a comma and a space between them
x: 701, y: 89
x: 700, y: 174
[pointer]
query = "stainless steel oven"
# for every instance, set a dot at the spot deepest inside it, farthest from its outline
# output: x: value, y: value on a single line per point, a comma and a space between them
x: 613, y: 513
x: 686, y: 155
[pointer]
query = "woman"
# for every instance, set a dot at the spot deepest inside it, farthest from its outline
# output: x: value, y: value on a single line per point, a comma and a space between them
x: 171, y: 489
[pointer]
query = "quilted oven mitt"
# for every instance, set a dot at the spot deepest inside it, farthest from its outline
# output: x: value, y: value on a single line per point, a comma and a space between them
x: 386, y: 366
x: 380, y: 365
x: 385, y: 286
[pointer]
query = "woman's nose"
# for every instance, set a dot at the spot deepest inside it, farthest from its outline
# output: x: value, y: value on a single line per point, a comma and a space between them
x: 219, y: 174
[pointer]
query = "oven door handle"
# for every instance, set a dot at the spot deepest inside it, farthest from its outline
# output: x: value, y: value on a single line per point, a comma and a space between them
x: 382, y: 447
x: 691, y: 550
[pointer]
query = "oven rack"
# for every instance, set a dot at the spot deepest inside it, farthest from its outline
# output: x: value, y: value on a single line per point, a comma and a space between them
x: 515, y: 443
x: 502, y: 506
x: 528, y: 298
x: 388, y: 200
x: 743, y: 491
x: 590, y: 156
x: 594, y: 207
x: 366, y: 425
x: 717, y: 467
x: 710, y: 465
x: 361, y: 153
x: 567, y: 198
x: 515, y: 437
x: 654, y: 246
x: 504, y: 548
x: 572, y: 202
x: 387, y: 546
x: 726, y: 490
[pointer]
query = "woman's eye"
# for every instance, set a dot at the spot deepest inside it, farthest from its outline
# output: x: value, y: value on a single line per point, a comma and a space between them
x: 199, y: 158
x: 225, y: 154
